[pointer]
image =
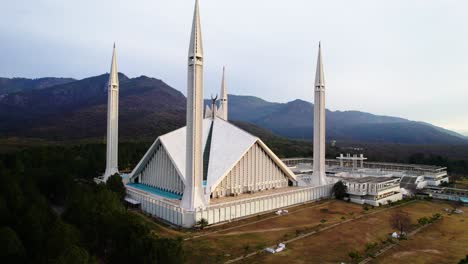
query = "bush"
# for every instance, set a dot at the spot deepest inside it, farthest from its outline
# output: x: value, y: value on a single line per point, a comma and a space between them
x: 202, y: 223
x: 354, y: 255
x: 370, y: 246
x: 423, y: 221
x: 339, y: 190
x: 115, y: 184
x: 324, y: 210
x: 323, y: 221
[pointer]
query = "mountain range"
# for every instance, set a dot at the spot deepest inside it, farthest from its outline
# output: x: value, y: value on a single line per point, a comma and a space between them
x: 65, y: 108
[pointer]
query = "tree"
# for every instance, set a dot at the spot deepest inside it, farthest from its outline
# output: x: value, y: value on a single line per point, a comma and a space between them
x: 115, y: 184
x: 74, y: 255
x: 202, y: 223
x: 11, y: 247
x: 400, y: 220
x: 61, y: 237
x: 340, y: 190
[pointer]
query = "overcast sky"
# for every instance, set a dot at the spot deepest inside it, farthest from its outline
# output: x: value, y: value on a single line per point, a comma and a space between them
x: 397, y: 57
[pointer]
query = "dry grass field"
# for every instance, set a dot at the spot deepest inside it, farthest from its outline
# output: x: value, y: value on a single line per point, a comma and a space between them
x: 445, y: 241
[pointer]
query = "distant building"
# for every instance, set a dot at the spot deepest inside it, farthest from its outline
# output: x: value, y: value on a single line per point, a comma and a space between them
x: 372, y: 190
x: 411, y: 177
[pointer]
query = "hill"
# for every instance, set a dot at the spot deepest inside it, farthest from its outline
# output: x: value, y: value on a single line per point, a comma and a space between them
x: 22, y: 84
x: 295, y: 120
x: 56, y: 108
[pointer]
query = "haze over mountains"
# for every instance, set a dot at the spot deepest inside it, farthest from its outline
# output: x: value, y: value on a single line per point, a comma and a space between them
x: 64, y: 108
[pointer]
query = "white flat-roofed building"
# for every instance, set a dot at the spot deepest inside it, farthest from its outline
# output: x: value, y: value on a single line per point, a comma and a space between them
x: 372, y: 190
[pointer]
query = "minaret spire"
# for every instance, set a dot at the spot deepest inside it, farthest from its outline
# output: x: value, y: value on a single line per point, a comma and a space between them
x: 112, y: 120
x: 223, y: 105
x: 196, y: 46
x: 319, y: 122
x: 193, y: 197
x: 319, y: 77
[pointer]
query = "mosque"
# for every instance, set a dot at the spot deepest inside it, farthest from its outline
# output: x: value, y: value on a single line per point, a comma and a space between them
x: 210, y: 169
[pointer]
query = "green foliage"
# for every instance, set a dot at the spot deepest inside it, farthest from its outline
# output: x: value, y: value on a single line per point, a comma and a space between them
x: 354, y: 255
x: 323, y: 221
x: 115, y: 184
x: 464, y: 261
x: 11, y: 247
x: 74, y: 255
x: 94, y: 224
x: 339, y: 190
x: 423, y: 221
x: 202, y: 223
x: 370, y: 246
x: 324, y: 210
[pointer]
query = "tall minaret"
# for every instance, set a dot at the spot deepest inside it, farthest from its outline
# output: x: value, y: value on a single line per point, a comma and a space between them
x: 319, y: 122
x: 193, y: 194
x: 223, y: 105
x: 112, y: 120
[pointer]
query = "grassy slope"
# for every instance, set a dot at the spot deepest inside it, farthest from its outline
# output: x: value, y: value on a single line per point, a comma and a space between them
x: 331, y: 246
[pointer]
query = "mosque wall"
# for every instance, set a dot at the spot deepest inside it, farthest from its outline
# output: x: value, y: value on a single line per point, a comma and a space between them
x: 255, y: 171
x: 160, y: 172
x: 229, y: 211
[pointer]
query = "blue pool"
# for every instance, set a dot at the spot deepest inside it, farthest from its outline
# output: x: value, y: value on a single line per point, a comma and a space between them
x: 156, y: 191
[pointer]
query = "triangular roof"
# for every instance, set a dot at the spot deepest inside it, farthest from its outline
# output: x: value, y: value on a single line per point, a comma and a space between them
x: 228, y: 145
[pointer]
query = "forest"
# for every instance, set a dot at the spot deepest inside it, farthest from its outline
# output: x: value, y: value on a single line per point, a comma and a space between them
x: 52, y: 212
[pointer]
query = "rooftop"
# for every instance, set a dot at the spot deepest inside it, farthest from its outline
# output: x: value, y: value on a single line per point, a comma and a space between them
x: 369, y: 179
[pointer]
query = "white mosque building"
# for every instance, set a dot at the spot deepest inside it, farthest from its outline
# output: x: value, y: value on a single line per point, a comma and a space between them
x: 212, y: 169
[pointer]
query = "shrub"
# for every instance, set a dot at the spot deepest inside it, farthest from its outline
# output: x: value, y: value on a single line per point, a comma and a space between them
x: 323, y: 221
x: 370, y: 246
x: 339, y: 190
x: 202, y: 223
x: 354, y: 255
x: 423, y: 221
x: 324, y: 210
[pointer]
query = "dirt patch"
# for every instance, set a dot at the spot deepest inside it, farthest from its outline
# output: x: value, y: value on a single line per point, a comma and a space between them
x: 404, y: 254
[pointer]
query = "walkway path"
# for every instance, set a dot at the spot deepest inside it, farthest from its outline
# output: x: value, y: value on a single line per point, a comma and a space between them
x: 258, y: 221
x: 319, y: 230
x: 385, y: 249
